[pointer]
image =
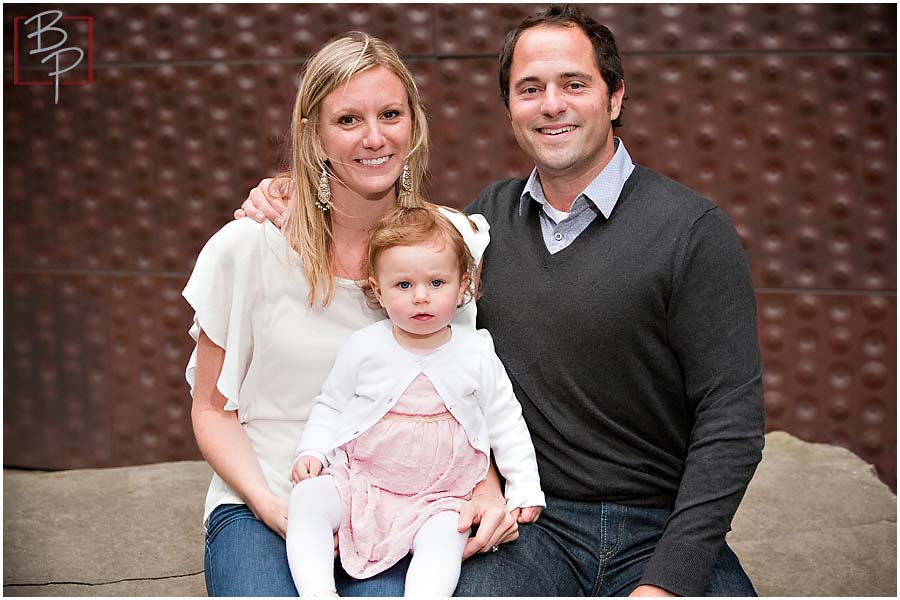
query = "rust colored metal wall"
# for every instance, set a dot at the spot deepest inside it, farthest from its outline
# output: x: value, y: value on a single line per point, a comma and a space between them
x: 785, y: 115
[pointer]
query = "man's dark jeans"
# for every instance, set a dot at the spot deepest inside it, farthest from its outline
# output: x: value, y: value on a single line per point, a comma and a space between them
x: 585, y: 549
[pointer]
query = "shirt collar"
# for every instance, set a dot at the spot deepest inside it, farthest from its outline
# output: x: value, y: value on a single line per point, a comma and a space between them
x: 603, y: 191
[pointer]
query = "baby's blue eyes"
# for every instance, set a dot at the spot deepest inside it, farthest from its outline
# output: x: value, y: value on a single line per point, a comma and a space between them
x: 435, y: 283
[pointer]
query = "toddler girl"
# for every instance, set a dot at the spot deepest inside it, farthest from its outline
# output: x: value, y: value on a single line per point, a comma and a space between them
x: 405, y: 423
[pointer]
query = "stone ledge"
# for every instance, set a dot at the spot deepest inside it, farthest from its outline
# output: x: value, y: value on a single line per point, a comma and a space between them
x: 815, y: 521
x: 95, y: 526
x: 851, y: 561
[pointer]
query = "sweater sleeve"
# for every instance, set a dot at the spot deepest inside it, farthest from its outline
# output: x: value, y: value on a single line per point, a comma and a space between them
x: 329, y: 405
x: 712, y: 329
x: 510, y: 441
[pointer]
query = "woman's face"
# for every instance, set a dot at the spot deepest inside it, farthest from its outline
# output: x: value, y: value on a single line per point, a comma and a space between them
x: 365, y: 129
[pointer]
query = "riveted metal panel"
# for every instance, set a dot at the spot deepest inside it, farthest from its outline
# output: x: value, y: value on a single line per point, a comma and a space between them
x: 472, y: 141
x: 661, y: 28
x: 151, y: 33
x: 148, y: 354
x: 830, y: 370
x: 784, y: 115
x: 138, y: 184
x: 57, y: 408
x: 778, y: 142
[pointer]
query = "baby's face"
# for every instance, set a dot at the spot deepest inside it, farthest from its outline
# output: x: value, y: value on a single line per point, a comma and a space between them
x: 420, y: 287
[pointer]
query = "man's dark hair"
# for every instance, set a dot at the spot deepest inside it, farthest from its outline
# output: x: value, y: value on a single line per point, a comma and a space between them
x: 605, y: 50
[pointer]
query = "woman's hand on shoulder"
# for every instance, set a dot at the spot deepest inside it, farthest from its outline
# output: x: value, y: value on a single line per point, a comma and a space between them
x: 495, y: 524
x: 273, y: 511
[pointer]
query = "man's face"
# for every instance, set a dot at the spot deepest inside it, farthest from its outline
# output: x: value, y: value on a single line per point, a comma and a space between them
x: 559, y: 105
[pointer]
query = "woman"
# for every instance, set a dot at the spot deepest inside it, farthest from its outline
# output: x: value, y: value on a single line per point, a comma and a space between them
x: 271, y: 309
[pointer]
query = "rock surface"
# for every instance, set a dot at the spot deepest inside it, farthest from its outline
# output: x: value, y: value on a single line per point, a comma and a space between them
x: 816, y: 521
x: 131, y: 531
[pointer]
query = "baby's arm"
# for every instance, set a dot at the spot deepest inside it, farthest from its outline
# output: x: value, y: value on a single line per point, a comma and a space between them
x: 510, y: 441
x: 328, y: 408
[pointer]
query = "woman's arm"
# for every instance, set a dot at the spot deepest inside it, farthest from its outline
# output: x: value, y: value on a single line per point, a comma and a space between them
x: 225, y: 445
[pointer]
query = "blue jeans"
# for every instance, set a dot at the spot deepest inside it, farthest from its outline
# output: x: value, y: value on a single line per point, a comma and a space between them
x: 585, y: 549
x: 245, y: 558
x: 579, y: 549
x: 575, y: 549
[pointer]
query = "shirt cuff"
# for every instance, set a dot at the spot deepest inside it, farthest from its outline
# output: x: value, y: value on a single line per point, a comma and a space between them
x: 679, y: 568
x: 522, y: 498
x: 317, y: 455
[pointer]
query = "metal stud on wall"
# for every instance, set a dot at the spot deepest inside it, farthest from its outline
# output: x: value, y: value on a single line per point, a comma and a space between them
x: 784, y: 115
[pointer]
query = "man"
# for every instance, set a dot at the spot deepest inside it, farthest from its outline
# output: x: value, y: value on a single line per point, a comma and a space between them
x: 621, y: 305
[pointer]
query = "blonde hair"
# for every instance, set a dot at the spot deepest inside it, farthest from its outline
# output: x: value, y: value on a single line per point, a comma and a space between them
x: 412, y: 226
x: 307, y: 229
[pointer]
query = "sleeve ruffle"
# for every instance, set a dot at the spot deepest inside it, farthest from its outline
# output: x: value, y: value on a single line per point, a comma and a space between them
x: 477, y: 241
x: 221, y: 291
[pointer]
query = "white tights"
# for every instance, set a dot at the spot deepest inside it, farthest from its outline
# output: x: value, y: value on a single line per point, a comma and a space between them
x: 314, y: 514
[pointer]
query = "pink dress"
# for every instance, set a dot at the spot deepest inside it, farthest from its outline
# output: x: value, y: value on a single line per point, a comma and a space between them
x: 411, y: 465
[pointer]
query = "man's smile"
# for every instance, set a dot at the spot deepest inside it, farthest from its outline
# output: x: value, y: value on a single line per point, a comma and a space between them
x: 556, y: 130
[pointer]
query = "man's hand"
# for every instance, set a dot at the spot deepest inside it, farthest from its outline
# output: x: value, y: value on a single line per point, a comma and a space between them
x: 268, y: 200
x: 304, y: 468
x: 650, y: 590
x: 495, y: 525
x: 529, y: 514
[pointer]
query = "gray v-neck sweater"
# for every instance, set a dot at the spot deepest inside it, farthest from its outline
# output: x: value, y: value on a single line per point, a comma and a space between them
x: 634, y: 354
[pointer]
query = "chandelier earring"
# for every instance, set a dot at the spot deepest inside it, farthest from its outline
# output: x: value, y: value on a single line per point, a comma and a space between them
x: 406, y: 179
x: 323, y: 193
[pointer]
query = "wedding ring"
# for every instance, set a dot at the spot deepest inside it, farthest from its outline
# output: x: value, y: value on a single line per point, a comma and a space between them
x: 495, y: 548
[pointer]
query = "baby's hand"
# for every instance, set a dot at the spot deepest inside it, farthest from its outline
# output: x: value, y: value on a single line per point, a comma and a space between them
x: 304, y: 468
x: 529, y: 514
